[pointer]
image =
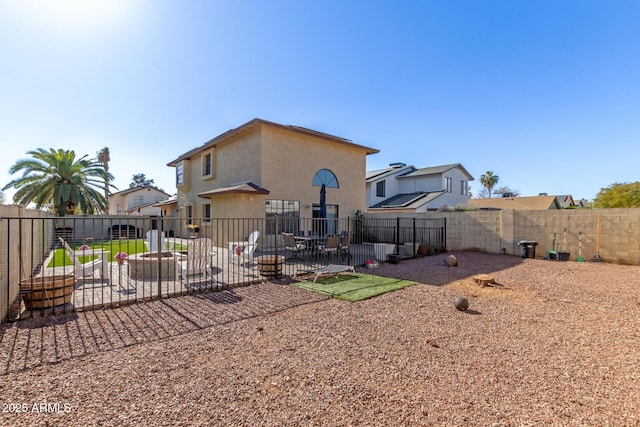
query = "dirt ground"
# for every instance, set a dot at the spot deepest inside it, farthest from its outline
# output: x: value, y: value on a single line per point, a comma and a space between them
x: 549, y: 343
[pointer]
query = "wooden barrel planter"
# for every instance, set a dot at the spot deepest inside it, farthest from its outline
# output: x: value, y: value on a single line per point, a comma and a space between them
x: 270, y: 265
x: 47, y: 292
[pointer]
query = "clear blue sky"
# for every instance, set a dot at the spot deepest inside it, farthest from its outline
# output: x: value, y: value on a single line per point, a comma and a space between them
x: 545, y: 94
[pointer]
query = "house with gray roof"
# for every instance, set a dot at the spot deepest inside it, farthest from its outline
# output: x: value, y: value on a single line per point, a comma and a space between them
x: 403, y: 188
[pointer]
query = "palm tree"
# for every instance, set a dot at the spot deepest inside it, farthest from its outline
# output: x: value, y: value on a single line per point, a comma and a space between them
x: 56, y: 179
x: 103, y: 157
x: 488, y: 181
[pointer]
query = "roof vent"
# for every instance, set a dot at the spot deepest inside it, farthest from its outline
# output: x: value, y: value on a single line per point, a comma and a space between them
x: 542, y: 194
x: 397, y: 165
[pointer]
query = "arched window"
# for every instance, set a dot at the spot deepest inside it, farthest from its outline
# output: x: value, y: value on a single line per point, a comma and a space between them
x: 326, y: 177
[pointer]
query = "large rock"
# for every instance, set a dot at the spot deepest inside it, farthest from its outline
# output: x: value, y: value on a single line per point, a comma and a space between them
x: 461, y: 303
x: 451, y: 261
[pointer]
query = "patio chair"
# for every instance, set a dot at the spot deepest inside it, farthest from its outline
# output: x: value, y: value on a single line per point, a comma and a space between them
x: 345, y: 249
x: 331, y: 246
x: 247, y: 252
x: 294, y: 247
x: 198, y: 260
x: 87, y: 269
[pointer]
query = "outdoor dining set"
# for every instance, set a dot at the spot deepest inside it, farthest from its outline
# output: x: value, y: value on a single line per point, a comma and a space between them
x: 302, y: 245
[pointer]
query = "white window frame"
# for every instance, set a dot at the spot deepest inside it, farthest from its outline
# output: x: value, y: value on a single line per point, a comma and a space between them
x: 448, y: 184
x: 180, y: 174
x: 206, y: 212
x: 207, y: 157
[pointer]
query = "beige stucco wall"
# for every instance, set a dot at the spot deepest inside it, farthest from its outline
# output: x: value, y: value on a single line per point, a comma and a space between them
x: 126, y: 201
x: 290, y: 161
x: 280, y: 160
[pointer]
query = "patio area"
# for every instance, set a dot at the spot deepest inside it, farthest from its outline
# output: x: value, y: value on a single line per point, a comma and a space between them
x: 137, y: 279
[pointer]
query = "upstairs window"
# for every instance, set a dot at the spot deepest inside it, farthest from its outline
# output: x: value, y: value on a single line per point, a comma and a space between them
x: 206, y: 164
x: 448, y: 184
x: 180, y: 174
x: 326, y: 177
x: 463, y: 187
x: 380, y: 189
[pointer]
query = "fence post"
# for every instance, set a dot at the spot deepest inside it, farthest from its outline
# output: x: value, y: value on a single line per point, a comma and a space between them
x: 277, y: 267
x: 413, y: 243
x: 444, y: 238
x: 397, y: 239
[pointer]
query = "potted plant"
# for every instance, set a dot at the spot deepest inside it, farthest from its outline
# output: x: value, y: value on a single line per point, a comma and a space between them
x: 238, y: 249
x: 371, y: 264
x: 121, y: 257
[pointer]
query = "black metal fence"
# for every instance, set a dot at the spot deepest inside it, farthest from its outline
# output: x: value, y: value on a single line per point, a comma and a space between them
x: 78, y: 263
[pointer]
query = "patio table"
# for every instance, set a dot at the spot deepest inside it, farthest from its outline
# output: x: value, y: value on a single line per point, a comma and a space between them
x: 310, y: 243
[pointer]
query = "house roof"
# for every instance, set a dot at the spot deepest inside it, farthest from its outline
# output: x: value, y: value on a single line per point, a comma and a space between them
x: 144, y: 205
x: 243, y: 188
x: 260, y: 122
x: 534, y: 203
x: 375, y: 175
x: 134, y: 189
x: 171, y: 201
x: 436, y: 170
x: 407, y: 200
x: 565, y: 200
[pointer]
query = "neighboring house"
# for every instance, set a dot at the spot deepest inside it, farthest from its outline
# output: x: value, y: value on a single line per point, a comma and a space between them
x: 568, y: 202
x: 406, y: 189
x: 581, y: 203
x: 565, y: 201
x: 136, y: 201
x: 262, y: 169
x: 168, y: 207
x: 533, y: 203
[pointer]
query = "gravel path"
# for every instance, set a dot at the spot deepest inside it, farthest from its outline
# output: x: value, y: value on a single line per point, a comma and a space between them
x: 553, y: 343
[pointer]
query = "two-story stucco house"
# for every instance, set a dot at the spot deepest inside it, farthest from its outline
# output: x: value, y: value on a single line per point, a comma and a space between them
x: 405, y: 189
x: 136, y: 201
x: 262, y: 169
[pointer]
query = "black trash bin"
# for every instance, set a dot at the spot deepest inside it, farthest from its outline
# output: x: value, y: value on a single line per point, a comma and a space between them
x: 528, y: 248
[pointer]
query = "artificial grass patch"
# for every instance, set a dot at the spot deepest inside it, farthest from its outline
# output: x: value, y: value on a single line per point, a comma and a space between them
x: 355, y: 287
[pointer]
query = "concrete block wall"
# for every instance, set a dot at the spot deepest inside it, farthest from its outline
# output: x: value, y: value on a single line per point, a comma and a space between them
x: 618, y: 239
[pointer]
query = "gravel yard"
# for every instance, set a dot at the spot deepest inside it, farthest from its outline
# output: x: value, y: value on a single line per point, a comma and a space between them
x: 552, y: 343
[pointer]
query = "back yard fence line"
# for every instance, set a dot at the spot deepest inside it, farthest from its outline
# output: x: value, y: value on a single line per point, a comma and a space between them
x: 40, y: 277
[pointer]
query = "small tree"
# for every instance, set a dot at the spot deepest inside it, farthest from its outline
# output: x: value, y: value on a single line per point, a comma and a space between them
x: 104, y: 159
x: 488, y: 181
x: 140, y: 180
x: 507, y: 190
x: 617, y: 195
